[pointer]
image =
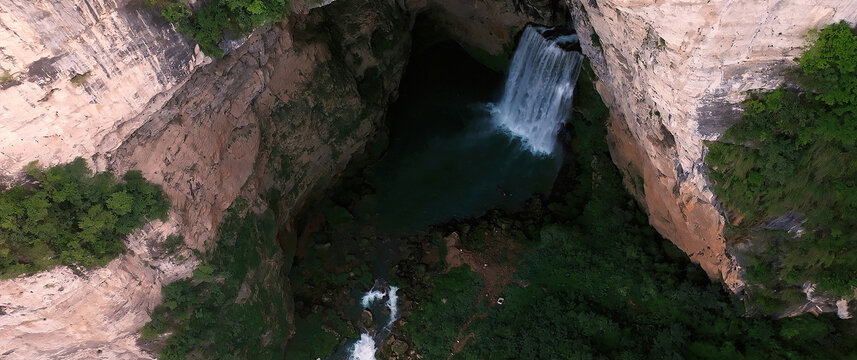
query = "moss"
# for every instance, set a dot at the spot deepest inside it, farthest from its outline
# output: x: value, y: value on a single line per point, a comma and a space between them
x: 80, y: 79
x: 5, y: 76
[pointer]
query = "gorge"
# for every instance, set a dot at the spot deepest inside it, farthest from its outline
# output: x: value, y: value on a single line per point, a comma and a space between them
x: 276, y: 156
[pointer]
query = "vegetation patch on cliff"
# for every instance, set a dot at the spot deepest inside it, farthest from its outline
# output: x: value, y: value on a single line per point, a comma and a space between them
x: 217, y: 19
x: 65, y: 215
x: 234, y: 306
x: 794, y: 156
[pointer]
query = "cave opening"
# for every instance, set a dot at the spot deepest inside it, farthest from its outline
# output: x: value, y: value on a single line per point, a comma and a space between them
x: 447, y: 157
x: 447, y: 160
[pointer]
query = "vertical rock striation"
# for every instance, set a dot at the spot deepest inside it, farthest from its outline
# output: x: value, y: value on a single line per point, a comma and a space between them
x: 673, y: 74
x: 79, y: 74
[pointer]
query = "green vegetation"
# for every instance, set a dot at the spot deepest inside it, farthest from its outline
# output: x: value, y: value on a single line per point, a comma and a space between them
x: 597, y: 282
x: 454, y: 299
x: 310, y: 340
x: 595, y: 39
x: 66, y: 215
x: 172, y: 244
x: 232, y: 307
x: 80, y: 79
x: 324, y: 278
x: 796, y: 150
x: 5, y: 76
x: 219, y: 18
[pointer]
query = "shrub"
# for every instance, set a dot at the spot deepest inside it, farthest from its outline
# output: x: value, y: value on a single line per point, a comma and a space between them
x: 204, y: 315
x: 217, y: 18
x: 67, y: 215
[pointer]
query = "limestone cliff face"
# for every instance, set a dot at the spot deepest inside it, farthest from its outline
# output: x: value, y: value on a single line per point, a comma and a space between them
x: 80, y: 74
x: 673, y: 74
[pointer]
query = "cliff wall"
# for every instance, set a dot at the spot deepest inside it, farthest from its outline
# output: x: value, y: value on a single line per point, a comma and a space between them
x: 79, y: 75
x: 674, y: 74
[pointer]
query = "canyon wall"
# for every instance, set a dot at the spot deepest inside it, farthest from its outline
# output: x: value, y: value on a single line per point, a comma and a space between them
x: 207, y: 134
x: 674, y: 74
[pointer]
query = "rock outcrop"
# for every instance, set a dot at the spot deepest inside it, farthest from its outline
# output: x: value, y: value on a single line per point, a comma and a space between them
x: 674, y: 74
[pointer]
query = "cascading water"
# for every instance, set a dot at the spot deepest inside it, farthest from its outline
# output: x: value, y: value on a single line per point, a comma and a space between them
x: 539, y: 89
x: 365, y: 349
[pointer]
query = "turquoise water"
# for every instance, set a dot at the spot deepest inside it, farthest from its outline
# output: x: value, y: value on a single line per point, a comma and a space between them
x: 447, y: 158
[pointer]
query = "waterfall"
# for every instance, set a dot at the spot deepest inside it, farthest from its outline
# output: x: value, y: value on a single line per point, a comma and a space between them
x: 539, y: 89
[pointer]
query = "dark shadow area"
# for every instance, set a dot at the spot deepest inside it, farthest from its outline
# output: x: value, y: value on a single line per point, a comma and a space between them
x: 447, y: 159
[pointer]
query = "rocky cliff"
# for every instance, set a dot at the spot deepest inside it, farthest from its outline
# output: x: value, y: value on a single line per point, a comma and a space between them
x: 674, y: 74
x: 205, y: 136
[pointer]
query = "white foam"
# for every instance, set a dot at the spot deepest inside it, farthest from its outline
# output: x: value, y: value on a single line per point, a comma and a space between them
x: 363, y: 349
x: 370, y: 297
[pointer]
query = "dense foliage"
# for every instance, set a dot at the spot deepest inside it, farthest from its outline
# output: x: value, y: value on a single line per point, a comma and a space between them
x: 217, y: 19
x: 232, y: 307
x: 67, y: 215
x: 598, y: 282
x: 455, y: 296
x: 795, y: 150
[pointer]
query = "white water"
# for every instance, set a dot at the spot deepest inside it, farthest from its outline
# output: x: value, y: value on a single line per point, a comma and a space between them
x: 370, y: 297
x: 392, y: 304
x: 539, y: 89
x: 364, y: 349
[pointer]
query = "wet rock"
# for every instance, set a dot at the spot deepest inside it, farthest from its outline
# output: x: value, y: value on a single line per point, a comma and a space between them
x: 790, y: 221
x: 367, y: 319
x: 399, y: 347
x: 420, y: 270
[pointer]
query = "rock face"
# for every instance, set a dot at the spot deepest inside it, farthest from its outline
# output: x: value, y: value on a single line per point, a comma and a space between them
x: 673, y: 74
x: 81, y: 76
